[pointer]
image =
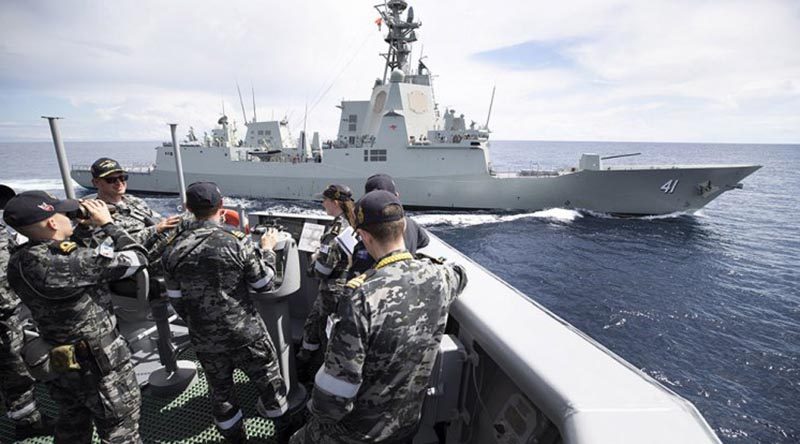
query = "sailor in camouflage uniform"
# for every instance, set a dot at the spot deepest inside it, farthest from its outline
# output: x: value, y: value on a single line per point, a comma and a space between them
x: 210, y: 271
x: 389, y: 324
x: 16, y: 384
x: 329, y: 265
x: 129, y: 213
x: 66, y: 289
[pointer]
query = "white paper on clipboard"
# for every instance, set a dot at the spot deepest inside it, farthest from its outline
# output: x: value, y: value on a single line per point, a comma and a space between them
x: 310, y: 237
x: 347, y: 240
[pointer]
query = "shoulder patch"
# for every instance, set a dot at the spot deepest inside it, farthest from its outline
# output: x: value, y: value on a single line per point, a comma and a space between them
x: 233, y: 232
x: 67, y: 247
x: 356, y: 281
x: 359, y: 280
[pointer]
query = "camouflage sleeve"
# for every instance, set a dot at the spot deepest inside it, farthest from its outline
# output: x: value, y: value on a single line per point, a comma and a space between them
x: 338, y: 381
x: 259, y: 266
x: 147, y: 237
x: 122, y: 240
x: 456, y: 278
x: 89, y: 266
x: 174, y: 294
x: 327, y: 257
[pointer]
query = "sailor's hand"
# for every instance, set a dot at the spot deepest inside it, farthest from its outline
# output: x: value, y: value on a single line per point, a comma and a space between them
x: 98, y: 212
x: 269, y: 239
x: 168, y: 223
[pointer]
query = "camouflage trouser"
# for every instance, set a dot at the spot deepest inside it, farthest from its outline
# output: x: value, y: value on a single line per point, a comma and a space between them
x: 315, y: 432
x: 112, y: 402
x: 314, y: 329
x: 259, y: 362
x: 16, y: 384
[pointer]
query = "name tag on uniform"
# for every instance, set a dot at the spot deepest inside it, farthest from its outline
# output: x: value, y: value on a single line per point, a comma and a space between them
x: 106, y: 249
x: 329, y: 327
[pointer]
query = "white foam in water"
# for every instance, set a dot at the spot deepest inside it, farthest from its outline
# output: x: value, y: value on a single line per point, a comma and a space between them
x: 599, y: 215
x: 20, y: 185
x: 467, y: 220
x: 239, y: 201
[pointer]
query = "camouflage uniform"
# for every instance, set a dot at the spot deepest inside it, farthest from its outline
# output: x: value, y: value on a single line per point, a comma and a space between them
x: 16, y: 384
x: 381, y: 352
x: 66, y: 289
x: 330, y: 268
x: 135, y: 217
x: 210, y: 272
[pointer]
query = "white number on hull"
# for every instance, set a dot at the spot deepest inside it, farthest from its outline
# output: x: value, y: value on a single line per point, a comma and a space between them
x: 669, y: 187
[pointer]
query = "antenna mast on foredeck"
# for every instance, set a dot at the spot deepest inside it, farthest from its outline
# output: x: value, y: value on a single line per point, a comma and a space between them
x: 400, y: 36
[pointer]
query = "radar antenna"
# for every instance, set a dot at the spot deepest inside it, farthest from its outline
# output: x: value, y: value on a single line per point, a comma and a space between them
x: 400, y: 35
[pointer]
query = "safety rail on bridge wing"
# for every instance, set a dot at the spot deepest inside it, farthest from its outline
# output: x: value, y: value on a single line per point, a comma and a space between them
x: 139, y: 167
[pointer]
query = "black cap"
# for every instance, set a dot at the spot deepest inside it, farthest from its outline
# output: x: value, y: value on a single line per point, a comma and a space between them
x: 369, y: 209
x: 34, y: 206
x: 104, y: 166
x: 380, y: 182
x: 6, y: 193
x: 336, y: 191
x: 203, y: 195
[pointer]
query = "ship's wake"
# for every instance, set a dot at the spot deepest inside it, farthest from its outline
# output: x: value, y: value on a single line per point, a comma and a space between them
x: 467, y: 220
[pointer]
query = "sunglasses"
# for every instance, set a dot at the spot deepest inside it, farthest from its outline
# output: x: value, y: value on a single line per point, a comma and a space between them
x: 112, y: 180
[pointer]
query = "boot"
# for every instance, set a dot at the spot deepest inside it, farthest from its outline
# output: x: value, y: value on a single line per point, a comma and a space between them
x: 41, y: 427
x: 236, y: 435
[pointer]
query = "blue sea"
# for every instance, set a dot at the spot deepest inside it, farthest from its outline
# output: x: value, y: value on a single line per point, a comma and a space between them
x: 708, y: 304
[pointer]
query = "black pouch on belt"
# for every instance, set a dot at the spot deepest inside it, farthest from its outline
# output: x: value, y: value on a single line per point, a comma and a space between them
x: 100, y: 353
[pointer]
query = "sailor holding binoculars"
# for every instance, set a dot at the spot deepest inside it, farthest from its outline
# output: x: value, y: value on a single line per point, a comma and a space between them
x: 129, y: 213
x: 80, y: 351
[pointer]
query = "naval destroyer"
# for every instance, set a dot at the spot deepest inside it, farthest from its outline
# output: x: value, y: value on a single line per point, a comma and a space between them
x: 437, y: 159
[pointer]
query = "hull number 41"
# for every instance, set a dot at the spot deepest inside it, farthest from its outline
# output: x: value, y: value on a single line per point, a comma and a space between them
x: 669, y: 187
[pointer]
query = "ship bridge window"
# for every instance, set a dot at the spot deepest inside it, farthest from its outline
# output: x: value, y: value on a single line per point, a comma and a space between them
x: 377, y: 155
x: 260, y: 132
x: 351, y: 139
x: 374, y: 155
x: 352, y: 120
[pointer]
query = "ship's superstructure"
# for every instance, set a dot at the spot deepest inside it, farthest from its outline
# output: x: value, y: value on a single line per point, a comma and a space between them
x: 437, y: 159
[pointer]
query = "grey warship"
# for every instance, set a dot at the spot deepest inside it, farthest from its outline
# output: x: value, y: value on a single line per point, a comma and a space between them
x: 436, y: 158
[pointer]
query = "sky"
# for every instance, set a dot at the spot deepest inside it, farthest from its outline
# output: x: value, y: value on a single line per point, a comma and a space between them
x: 599, y: 70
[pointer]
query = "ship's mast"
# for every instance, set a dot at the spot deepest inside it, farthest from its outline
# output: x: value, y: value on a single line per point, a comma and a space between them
x: 400, y: 36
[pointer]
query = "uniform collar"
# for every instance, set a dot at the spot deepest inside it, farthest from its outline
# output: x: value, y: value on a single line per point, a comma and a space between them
x: 394, y: 256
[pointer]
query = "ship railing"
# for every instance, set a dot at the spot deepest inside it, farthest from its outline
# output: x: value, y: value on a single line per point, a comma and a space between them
x: 134, y: 167
x: 532, y: 171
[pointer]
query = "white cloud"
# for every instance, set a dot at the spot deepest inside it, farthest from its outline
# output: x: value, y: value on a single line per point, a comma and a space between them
x: 662, y: 70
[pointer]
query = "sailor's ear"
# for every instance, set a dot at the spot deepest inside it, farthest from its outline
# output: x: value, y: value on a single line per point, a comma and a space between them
x: 51, y: 224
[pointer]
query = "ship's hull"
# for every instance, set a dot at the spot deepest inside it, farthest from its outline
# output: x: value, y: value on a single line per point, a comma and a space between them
x: 634, y: 191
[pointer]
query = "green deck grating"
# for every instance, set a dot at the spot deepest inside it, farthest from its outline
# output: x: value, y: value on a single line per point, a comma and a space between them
x: 185, y: 419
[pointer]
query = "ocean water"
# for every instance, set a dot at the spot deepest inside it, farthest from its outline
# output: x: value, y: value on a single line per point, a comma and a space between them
x: 708, y: 304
